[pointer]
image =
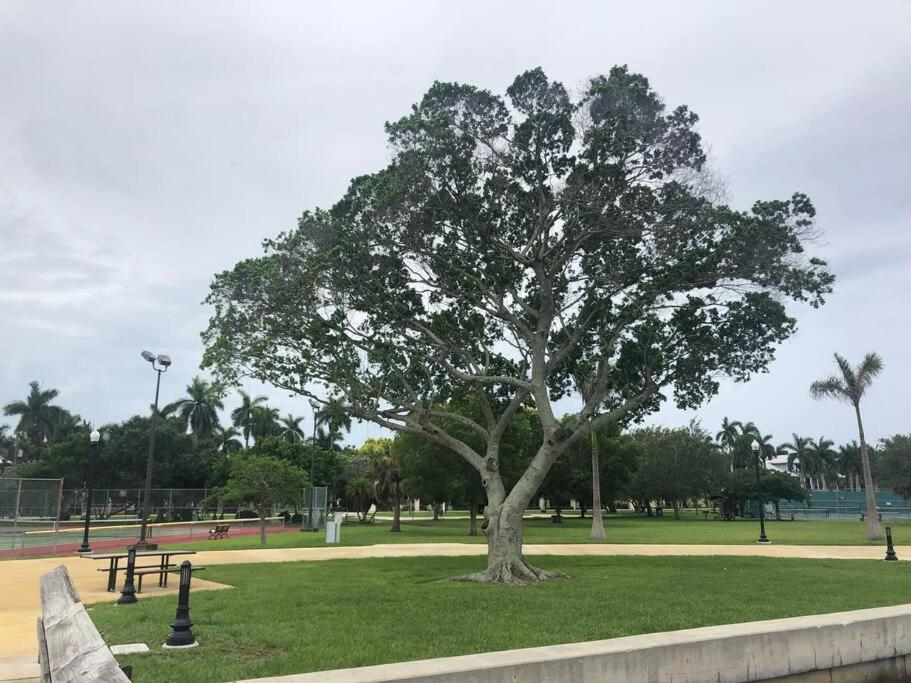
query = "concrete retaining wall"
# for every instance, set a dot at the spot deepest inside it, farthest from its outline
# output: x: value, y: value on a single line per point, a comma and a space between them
x: 844, y: 646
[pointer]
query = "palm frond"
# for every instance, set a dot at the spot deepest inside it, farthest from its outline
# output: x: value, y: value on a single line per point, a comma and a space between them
x: 831, y: 387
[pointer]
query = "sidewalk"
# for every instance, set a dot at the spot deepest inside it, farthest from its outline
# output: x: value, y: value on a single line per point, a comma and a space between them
x: 20, y: 602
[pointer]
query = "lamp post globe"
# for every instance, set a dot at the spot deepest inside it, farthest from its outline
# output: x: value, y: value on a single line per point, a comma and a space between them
x: 94, y: 438
x: 755, y: 446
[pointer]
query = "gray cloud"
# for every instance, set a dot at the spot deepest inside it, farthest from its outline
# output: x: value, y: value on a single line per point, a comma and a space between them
x: 145, y: 147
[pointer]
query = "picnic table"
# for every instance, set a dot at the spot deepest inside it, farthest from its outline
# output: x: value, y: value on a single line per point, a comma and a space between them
x: 114, y: 563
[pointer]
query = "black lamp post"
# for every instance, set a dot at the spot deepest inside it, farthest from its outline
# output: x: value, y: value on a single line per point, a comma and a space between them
x: 315, y: 405
x: 94, y: 438
x: 762, y: 537
x: 160, y: 365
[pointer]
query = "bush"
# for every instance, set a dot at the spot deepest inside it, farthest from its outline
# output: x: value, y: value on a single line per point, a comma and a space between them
x: 246, y: 514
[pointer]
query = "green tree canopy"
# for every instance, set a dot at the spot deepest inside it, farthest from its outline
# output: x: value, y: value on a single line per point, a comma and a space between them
x: 263, y: 481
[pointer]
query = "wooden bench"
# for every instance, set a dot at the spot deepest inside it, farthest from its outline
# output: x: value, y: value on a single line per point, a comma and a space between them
x: 220, y: 531
x: 162, y: 574
x: 70, y: 649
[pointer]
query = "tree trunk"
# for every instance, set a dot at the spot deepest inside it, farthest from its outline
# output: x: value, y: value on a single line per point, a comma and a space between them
x: 473, y: 520
x: 397, y: 513
x: 505, y: 563
x: 874, y: 530
x: 597, y: 532
x: 581, y: 509
x: 436, y: 512
x: 262, y: 526
x: 676, y: 505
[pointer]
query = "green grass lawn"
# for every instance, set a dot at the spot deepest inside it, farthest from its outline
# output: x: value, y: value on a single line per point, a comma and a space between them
x: 620, y: 529
x: 306, y: 616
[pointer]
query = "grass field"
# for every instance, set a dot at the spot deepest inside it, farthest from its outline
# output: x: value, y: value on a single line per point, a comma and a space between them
x: 620, y: 529
x: 305, y: 616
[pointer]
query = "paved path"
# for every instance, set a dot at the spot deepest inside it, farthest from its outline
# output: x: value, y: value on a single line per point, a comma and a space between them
x: 20, y: 601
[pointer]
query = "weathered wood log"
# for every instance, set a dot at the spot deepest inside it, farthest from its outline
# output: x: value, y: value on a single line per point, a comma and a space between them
x: 74, y: 649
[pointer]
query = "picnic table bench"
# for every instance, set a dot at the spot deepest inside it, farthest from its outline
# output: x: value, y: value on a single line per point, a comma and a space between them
x: 220, y: 531
x: 70, y: 648
x: 164, y: 564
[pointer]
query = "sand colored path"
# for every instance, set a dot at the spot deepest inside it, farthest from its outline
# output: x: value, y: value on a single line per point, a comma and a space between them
x: 20, y: 602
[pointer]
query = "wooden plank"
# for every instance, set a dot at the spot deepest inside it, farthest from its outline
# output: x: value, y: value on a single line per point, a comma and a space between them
x: 42, y: 654
x: 75, y: 650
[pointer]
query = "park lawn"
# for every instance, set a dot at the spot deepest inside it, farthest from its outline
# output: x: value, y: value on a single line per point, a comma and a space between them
x: 305, y: 616
x: 619, y: 529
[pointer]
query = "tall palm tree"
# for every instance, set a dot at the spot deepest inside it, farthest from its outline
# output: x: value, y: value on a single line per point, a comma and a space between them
x: 823, y: 457
x: 37, y: 417
x: 264, y: 422
x: 335, y: 418
x: 851, y: 464
x: 797, y: 450
x: 727, y: 437
x: 200, y: 408
x: 850, y: 386
x: 585, y: 383
x: 331, y: 441
x: 242, y: 417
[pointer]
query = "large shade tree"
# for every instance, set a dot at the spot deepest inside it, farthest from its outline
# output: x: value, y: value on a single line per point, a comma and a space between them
x: 850, y: 386
x: 509, y: 241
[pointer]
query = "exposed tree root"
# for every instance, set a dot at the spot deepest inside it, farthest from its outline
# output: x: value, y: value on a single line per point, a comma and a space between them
x: 514, y: 573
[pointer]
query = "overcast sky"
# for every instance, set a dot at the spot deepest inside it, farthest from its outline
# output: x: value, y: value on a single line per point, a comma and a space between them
x: 146, y: 146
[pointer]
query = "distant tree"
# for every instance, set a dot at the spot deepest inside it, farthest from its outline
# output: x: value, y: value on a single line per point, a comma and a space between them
x: 799, y: 457
x: 200, y: 409
x: 851, y: 465
x: 676, y: 465
x: 727, y: 437
x: 822, y: 455
x: 242, y: 416
x: 387, y: 483
x: 895, y: 464
x: 291, y: 428
x: 226, y: 439
x: 740, y: 486
x: 264, y: 422
x: 262, y: 481
x: 850, y: 386
x: 38, y: 418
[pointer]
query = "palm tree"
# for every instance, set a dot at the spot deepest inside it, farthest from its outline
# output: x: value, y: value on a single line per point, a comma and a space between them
x: 797, y: 451
x: 851, y: 464
x: 291, y: 428
x: 200, y: 409
x: 330, y: 441
x: 823, y: 456
x: 727, y: 437
x: 242, y: 417
x: 333, y: 416
x: 264, y: 422
x: 850, y: 386
x: 387, y: 485
x: 226, y: 440
x: 37, y: 417
x: 585, y: 382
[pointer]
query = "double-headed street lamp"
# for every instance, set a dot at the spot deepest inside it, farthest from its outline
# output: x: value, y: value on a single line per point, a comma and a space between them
x: 315, y: 405
x: 762, y: 537
x: 160, y: 365
x: 94, y: 438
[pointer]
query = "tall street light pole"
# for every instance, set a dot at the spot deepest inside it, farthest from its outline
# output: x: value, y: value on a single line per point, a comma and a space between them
x: 762, y: 537
x: 315, y: 405
x: 94, y: 438
x: 160, y: 365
